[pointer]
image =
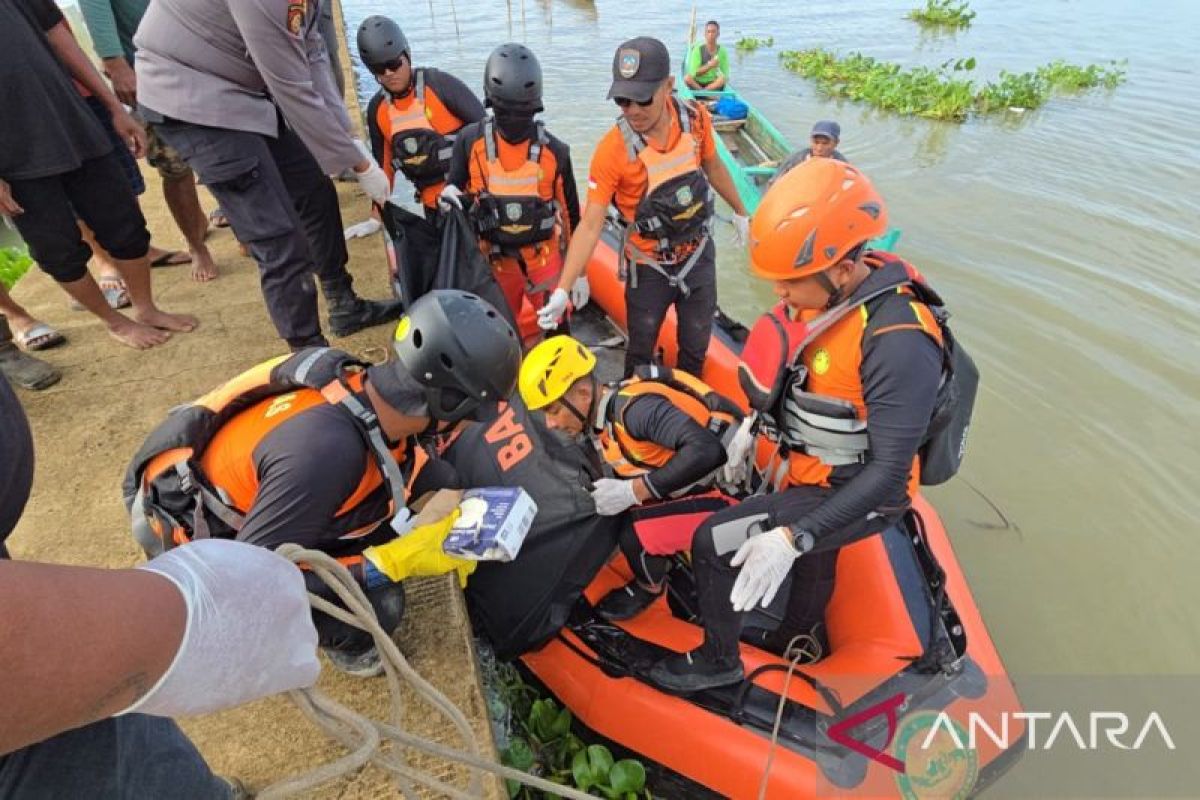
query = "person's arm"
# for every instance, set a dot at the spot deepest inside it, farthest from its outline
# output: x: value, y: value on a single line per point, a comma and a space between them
x: 723, y: 60
x: 459, y: 173
x: 102, y: 26
x: 698, y: 452
x: 283, y: 62
x: 900, y: 373
x: 321, y: 69
x: 455, y: 96
x: 127, y: 624
x: 380, y: 149
x: 602, y: 186
x: 63, y: 43
x: 693, y: 60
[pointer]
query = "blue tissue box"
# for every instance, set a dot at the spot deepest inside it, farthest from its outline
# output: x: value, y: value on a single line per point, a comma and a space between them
x: 492, y: 525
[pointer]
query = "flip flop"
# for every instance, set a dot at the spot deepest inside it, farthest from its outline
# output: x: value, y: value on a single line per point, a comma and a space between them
x: 172, y: 258
x: 114, y: 291
x: 218, y: 219
x: 38, y: 336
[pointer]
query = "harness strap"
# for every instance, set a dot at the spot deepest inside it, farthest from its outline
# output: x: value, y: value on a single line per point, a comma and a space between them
x: 677, y: 279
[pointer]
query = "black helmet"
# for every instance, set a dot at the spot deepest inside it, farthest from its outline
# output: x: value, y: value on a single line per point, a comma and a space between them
x: 460, y: 349
x: 512, y: 79
x: 380, y: 40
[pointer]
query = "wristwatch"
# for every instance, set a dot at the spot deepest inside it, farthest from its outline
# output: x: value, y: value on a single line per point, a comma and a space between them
x: 802, y: 540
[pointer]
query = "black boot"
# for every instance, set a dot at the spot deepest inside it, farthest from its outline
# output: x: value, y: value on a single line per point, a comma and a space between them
x: 626, y: 602
x: 349, y: 313
x: 684, y: 673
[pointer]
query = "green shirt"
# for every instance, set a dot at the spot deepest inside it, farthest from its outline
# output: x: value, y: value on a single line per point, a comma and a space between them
x: 698, y: 55
x: 112, y: 24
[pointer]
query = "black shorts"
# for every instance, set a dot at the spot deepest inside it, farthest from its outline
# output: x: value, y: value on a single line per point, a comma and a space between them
x: 98, y: 192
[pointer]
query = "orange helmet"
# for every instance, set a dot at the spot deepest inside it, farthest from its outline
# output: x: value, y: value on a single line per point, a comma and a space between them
x: 811, y: 217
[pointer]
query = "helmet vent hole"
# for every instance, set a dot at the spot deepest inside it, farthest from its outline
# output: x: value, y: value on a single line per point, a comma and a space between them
x: 491, y: 313
x: 417, y: 339
x: 446, y: 361
x: 847, y: 183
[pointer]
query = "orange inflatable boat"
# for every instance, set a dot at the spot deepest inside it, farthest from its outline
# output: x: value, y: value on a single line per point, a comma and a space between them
x: 893, y: 710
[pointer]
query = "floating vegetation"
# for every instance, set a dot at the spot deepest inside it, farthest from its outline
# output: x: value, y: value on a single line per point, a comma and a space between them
x: 748, y: 44
x: 943, y: 14
x: 945, y: 92
x: 14, y: 262
x: 535, y: 736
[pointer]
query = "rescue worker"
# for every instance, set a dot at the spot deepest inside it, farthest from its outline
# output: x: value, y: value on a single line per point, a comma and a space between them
x: 822, y: 143
x: 658, y: 165
x: 854, y: 410
x: 251, y: 106
x: 660, y: 436
x: 416, y: 115
x: 305, y: 449
x: 519, y: 175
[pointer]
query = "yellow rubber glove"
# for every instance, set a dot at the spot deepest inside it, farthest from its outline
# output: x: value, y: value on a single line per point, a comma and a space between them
x: 419, y: 553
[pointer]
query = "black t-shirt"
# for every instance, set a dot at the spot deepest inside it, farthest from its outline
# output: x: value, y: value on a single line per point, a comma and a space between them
x: 16, y: 459
x: 45, y: 127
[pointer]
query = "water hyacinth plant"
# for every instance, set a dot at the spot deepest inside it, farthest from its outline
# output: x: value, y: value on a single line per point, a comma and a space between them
x: 945, y: 92
x: 748, y: 44
x: 943, y: 14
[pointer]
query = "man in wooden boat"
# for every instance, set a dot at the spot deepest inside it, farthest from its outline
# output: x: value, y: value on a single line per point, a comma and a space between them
x: 519, y: 180
x: 317, y: 450
x: 417, y: 113
x: 662, y: 436
x: 822, y: 143
x: 849, y: 415
x: 708, y: 61
x: 658, y: 166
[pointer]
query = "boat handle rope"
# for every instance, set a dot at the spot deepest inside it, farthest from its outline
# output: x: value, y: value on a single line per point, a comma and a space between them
x: 797, y: 649
x: 365, y: 738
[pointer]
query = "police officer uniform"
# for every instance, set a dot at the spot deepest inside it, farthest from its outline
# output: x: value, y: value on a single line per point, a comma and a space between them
x: 242, y: 89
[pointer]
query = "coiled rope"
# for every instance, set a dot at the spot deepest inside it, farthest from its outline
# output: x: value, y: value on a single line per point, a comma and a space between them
x: 364, y: 737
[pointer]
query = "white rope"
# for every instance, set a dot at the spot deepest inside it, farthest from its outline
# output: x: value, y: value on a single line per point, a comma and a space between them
x: 364, y: 737
x: 798, y: 648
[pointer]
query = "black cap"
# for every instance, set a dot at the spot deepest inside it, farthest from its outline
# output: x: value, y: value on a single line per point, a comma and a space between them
x: 827, y: 127
x: 639, y: 68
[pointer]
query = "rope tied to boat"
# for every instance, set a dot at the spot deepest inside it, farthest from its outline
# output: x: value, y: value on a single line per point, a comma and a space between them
x: 803, y: 648
x: 364, y: 737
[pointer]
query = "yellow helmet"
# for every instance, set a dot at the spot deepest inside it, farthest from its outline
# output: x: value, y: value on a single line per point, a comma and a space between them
x: 550, y: 369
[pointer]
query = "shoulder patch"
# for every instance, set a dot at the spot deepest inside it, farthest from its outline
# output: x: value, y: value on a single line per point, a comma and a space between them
x: 296, y: 11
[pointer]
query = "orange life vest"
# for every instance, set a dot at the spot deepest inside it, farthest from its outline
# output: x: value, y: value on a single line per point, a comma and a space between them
x: 678, y: 204
x: 630, y: 457
x: 818, y: 413
x: 515, y: 211
x: 194, y: 476
x: 418, y: 149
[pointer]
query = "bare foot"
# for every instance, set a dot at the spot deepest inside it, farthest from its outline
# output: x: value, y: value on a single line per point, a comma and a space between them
x: 203, y: 268
x: 136, y: 335
x: 181, y: 323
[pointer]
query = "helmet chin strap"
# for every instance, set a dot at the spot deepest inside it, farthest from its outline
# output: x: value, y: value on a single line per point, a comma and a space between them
x: 584, y: 419
x: 835, y: 293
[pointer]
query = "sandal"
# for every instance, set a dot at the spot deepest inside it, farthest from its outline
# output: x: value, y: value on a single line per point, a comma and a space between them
x: 172, y: 258
x: 114, y: 291
x: 38, y: 336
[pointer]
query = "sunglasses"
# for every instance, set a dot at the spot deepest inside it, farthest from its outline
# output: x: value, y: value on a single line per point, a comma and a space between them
x: 625, y: 102
x: 388, y: 66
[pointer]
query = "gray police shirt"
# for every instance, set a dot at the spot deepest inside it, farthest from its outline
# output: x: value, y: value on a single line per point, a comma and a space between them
x: 230, y: 63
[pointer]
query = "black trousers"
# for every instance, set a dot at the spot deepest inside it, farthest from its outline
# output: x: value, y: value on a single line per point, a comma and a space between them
x: 647, y: 307
x: 98, y: 192
x: 812, y: 575
x: 282, y: 207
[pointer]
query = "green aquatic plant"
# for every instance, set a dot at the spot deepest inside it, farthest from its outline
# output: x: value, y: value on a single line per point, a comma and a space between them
x: 943, y: 14
x: 945, y: 92
x: 14, y: 263
x: 540, y: 741
x: 748, y: 44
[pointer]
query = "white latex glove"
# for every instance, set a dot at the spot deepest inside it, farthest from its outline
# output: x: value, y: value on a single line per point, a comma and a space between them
x: 550, y: 314
x: 612, y: 496
x: 249, y: 629
x: 451, y: 196
x: 741, y: 230
x: 581, y: 292
x: 737, y: 453
x: 374, y: 181
x: 361, y: 230
x: 768, y: 558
